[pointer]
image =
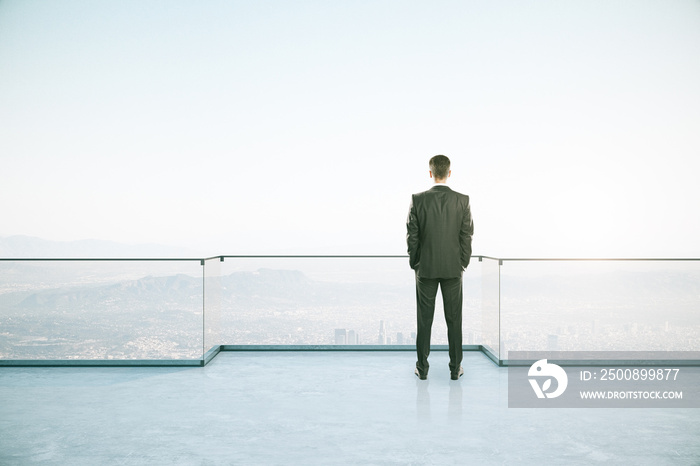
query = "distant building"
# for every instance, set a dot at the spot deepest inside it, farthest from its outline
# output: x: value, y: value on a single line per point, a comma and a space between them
x: 399, y: 338
x: 352, y: 338
x: 470, y: 338
x: 552, y: 342
x: 382, y: 333
x: 341, y: 336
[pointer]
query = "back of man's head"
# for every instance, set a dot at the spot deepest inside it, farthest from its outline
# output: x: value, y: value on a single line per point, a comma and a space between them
x: 440, y: 167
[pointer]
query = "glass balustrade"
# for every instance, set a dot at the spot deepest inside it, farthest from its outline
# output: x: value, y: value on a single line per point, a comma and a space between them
x: 490, y: 307
x: 184, y: 310
x: 94, y: 310
x: 599, y: 305
x: 330, y: 301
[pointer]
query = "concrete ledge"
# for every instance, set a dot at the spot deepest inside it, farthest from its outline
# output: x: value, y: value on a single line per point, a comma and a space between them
x: 211, y: 354
x: 215, y: 350
x: 100, y: 362
x: 608, y: 362
x: 339, y: 348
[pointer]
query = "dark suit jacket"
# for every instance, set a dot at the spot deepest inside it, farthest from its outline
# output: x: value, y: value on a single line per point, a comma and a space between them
x: 440, y: 230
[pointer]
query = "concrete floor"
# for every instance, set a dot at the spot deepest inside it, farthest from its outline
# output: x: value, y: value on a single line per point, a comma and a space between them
x: 316, y: 408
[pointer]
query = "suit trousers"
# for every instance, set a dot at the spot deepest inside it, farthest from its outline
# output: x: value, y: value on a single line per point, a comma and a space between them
x: 426, y: 291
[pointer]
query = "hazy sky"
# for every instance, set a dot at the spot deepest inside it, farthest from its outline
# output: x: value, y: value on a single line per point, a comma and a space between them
x: 303, y: 127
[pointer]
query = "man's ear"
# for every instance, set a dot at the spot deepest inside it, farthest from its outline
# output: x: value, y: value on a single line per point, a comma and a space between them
x: 431, y: 173
x: 449, y: 173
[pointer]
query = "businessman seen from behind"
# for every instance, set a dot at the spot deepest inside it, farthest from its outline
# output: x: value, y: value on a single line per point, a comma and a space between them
x: 439, y: 237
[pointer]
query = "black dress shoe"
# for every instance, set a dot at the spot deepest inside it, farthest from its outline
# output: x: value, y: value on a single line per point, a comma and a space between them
x: 419, y: 375
x: 456, y: 375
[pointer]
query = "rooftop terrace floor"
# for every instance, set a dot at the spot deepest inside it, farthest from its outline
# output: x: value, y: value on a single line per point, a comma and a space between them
x: 316, y: 408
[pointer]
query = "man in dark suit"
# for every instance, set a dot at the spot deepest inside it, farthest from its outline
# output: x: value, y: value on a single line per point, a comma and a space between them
x: 439, y: 237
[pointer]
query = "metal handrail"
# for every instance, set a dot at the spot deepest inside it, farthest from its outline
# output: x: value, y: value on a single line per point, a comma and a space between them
x: 333, y: 256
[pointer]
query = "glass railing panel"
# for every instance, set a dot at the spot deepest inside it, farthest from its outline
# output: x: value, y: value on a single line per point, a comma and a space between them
x: 471, y: 306
x: 326, y: 301
x: 100, y: 310
x: 490, y: 306
x: 212, y: 304
x: 600, y: 305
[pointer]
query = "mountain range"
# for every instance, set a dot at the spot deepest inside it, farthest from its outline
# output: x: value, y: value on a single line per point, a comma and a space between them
x: 262, y: 288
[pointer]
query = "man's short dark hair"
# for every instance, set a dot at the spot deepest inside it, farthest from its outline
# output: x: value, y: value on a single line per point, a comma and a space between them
x: 440, y: 166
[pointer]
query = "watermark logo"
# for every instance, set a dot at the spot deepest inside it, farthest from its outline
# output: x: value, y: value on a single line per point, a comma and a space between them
x: 547, y: 371
x: 603, y: 379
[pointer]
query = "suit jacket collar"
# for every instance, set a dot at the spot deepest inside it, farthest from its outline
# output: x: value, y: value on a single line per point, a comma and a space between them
x: 440, y: 186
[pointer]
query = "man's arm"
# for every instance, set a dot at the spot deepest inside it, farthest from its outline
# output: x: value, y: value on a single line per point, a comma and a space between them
x: 465, y: 236
x: 412, y: 239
